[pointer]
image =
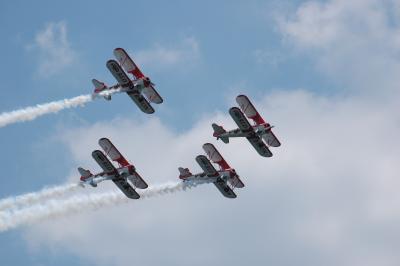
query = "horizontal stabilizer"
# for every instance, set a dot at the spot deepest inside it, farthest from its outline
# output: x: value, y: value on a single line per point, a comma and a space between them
x: 184, y: 173
x: 112, y: 151
x: 84, y: 173
x: 218, y: 131
x: 248, y: 109
x: 215, y: 156
x: 98, y: 86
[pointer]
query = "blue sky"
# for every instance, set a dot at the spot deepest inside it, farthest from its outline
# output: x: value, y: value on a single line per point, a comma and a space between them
x: 322, y: 72
x: 226, y: 62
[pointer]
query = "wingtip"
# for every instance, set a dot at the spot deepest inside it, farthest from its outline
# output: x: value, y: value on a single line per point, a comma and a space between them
x: 208, y: 145
x: 234, y: 109
x: 268, y: 155
x: 241, y: 96
x: 104, y: 139
x: 135, y: 197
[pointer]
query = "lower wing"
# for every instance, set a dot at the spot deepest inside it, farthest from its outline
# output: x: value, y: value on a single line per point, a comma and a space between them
x: 124, y: 186
x: 138, y: 181
x: 224, y: 188
x: 141, y: 102
x: 259, y: 145
x: 152, y: 95
x: 271, y: 139
x: 236, y: 182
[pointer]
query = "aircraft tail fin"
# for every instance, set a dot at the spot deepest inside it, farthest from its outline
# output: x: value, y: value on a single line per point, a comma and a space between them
x: 218, y: 131
x: 99, y: 87
x: 84, y: 173
x: 184, y: 173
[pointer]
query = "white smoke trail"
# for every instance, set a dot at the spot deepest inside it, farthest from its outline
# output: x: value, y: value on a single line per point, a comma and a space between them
x: 81, y: 203
x: 35, y: 197
x: 32, y: 112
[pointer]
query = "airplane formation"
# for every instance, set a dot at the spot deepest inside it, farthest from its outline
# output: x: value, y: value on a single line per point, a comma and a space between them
x: 141, y: 90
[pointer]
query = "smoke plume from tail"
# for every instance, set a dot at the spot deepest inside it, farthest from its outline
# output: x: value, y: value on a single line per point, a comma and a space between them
x: 11, y: 218
x: 33, y: 112
x: 35, y: 197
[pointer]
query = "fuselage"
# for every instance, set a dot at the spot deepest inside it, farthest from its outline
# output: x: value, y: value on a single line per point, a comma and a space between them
x: 134, y: 85
x: 125, y: 172
x: 224, y: 174
x: 259, y: 130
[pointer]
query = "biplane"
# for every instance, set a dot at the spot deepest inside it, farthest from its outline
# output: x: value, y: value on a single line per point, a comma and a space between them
x: 260, y: 134
x: 225, y: 179
x: 140, y: 89
x: 124, y: 176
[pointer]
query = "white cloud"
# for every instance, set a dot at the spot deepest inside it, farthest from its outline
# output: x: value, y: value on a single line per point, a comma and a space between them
x: 325, y: 197
x: 54, y: 49
x: 355, y: 42
x: 183, y: 53
x: 329, y: 196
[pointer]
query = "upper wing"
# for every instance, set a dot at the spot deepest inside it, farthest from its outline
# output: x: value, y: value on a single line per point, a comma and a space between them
x: 205, y: 164
x: 118, y: 73
x: 109, y: 168
x: 236, y: 182
x: 141, y: 102
x: 271, y: 139
x: 138, y: 181
x: 112, y: 152
x: 104, y: 163
x: 124, y: 186
x: 249, y: 109
x: 224, y: 188
x: 215, y: 156
x: 240, y: 119
x: 127, y: 63
x: 209, y: 169
x: 259, y: 145
x: 251, y: 112
x: 129, y: 66
x: 152, y: 95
